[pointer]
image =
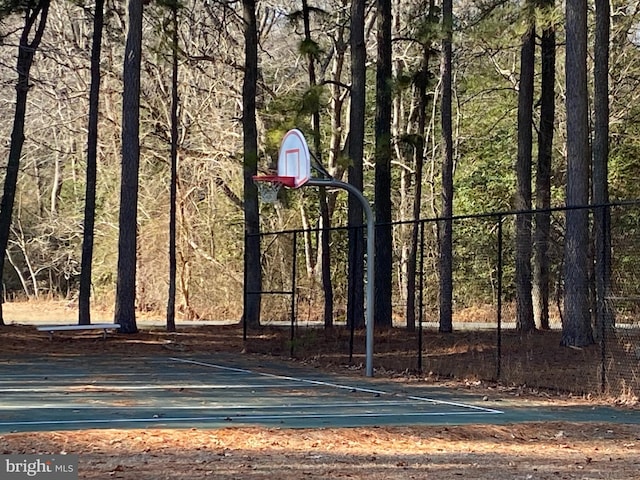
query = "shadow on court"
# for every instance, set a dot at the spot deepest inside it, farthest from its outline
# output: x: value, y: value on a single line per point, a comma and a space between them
x: 69, y: 393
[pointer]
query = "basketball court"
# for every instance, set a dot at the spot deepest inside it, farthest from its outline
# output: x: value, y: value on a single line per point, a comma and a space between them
x: 74, y: 393
x: 78, y: 393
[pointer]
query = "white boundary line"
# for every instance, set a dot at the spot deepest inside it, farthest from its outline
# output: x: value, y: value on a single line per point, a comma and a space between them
x: 231, y: 419
x: 53, y: 376
x: 337, y: 385
x: 98, y: 388
x: 300, y: 406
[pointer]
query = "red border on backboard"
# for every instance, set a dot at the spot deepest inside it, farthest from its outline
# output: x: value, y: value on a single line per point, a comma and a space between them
x: 292, y: 152
x: 286, y: 181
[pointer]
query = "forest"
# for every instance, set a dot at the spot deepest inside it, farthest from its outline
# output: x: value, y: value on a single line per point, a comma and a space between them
x: 136, y: 129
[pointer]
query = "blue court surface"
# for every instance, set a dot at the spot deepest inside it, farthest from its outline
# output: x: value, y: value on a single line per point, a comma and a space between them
x: 72, y: 393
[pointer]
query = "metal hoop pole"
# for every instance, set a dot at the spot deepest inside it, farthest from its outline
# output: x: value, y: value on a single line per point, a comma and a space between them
x: 321, y: 182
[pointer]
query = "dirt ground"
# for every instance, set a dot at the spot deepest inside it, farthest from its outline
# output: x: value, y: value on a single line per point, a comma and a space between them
x: 559, y: 450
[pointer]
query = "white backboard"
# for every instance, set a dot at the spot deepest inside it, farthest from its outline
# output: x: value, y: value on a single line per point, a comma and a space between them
x: 294, y: 159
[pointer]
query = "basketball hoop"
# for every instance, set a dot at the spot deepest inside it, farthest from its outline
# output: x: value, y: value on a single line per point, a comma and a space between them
x: 293, y: 168
x: 269, y: 185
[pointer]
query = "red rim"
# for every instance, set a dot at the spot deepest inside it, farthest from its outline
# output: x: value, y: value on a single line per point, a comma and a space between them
x: 286, y: 181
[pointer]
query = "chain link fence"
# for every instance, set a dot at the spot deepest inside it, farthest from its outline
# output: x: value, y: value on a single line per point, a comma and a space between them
x: 487, y: 342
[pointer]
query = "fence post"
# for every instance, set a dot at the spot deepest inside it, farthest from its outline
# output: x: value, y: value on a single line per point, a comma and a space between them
x: 421, y: 298
x: 602, y: 285
x: 244, y: 291
x: 351, y: 293
x: 499, y: 302
x: 294, y: 270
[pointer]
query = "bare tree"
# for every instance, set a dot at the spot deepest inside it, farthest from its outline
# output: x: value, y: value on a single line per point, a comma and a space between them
x: 383, y: 240
x: 125, y: 310
x: 524, y: 314
x: 252, y: 264
x: 576, y: 325
x: 173, y: 181
x: 35, y: 20
x: 421, y: 82
x: 311, y: 49
x: 355, y: 302
x: 84, y: 300
x: 540, y: 287
x: 600, y: 168
x: 446, y: 225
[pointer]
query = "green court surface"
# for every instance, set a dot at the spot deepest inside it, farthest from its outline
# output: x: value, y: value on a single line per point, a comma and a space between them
x: 72, y: 393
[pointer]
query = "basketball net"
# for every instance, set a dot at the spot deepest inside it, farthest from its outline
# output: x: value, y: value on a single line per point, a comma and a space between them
x: 269, y: 185
x: 268, y: 190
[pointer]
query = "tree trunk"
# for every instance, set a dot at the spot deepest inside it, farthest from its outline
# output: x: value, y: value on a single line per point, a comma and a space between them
x: 355, y: 302
x: 173, y: 181
x: 327, y: 202
x: 600, y: 170
x: 524, y: 313
x: 325, y: 217
x: 540, y: 292
x: 252, y: 261
x: 33, y: 17
x: 56, y: 185
x: 383, y: 240
x: 421, y: 90
x: 446, y: 225
x: 576, y: 326
x: 325, y: 238
x: 84, y: 299
x: 125, y: 310
x: 421, y: 83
